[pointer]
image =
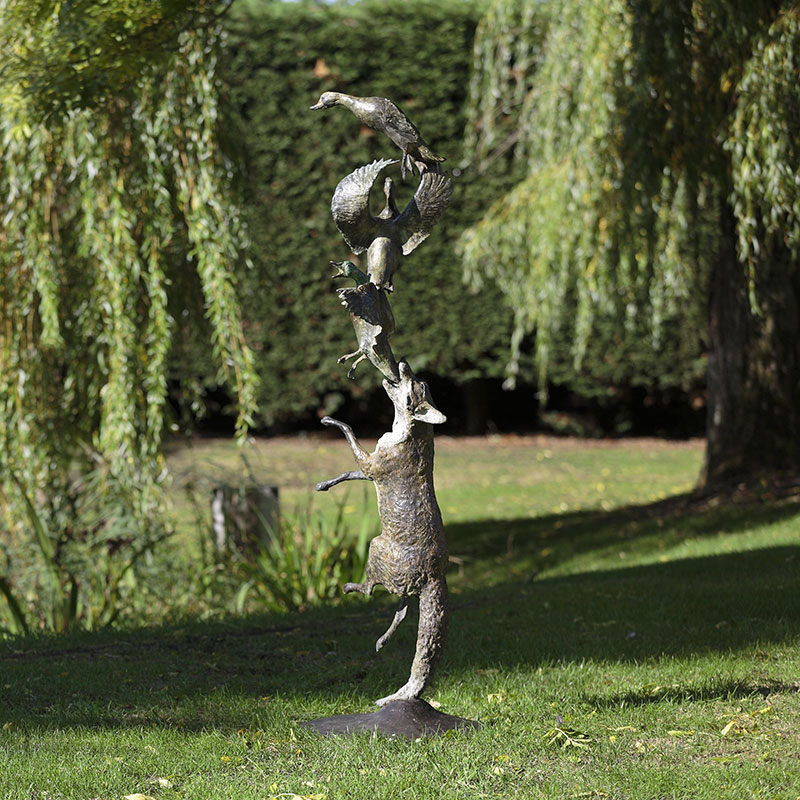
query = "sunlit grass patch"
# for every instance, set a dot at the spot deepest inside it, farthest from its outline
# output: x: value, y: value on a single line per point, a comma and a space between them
x: 670, y: 671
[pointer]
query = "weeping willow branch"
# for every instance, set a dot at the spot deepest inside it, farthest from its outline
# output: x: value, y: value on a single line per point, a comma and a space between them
x: 103, y: 207
x: 619, y: 109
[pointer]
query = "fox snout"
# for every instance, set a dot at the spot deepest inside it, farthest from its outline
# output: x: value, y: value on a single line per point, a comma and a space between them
x: 412, y: 398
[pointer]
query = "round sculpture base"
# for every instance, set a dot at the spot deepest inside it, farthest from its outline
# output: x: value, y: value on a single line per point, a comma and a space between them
x: 409, y: 718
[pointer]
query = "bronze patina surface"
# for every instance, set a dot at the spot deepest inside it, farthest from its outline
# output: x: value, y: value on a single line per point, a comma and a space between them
x: 392, y: 232
x: 383, y: 115
x: 409, y: 556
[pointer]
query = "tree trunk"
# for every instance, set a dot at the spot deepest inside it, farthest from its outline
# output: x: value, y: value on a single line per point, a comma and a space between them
x: 753, y: 421
x: 475, y: 406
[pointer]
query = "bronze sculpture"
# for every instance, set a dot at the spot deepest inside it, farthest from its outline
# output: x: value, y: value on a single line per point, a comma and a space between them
x: 409, y: 557
x: 384, y: 116
x: 373, y: 322
x: 390, y: 233
x: 347, y: 269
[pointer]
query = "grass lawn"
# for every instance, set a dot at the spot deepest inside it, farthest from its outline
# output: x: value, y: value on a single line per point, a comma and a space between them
x: 614, y: 636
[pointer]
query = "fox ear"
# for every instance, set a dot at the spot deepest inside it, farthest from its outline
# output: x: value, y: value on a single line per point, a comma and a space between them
x: 405, y: 370
x: 425, y: 412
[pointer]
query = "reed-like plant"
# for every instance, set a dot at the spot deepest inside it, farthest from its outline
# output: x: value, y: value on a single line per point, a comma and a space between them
x: 60, y: 574
x: 306, y: 562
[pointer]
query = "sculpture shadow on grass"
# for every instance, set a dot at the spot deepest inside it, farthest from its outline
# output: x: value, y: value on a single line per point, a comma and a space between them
x: 695, y: 606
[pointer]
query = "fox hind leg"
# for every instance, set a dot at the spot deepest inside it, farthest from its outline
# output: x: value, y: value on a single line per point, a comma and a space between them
x: 364, y: 588
x: 430, y: 641
x: 399, y: 616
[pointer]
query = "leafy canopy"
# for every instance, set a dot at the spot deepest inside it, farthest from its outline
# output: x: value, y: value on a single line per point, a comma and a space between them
x: 113, y: 203
x: 637, y: 121
x: 65, y: 54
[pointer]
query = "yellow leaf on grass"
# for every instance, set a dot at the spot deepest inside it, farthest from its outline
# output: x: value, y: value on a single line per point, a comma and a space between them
x: 293, y: 796
x: 138, y: 797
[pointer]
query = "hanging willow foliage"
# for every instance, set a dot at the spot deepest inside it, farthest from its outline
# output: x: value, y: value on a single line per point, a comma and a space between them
x: 626, y: 130
x: 109, y: 201
x: 765, y: 146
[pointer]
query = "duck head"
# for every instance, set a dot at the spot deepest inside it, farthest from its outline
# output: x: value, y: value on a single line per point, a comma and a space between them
x: 347, y: 269
x: 326, y: 100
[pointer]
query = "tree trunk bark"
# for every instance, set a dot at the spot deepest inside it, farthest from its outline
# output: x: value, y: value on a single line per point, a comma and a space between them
x: 475, y: 406
x: 753, y: 421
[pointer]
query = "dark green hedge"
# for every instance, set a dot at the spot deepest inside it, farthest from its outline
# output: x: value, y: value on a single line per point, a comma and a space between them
x: 279, y: 58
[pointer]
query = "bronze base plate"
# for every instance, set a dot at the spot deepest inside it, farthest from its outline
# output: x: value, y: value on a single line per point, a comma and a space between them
x: 409, y: 718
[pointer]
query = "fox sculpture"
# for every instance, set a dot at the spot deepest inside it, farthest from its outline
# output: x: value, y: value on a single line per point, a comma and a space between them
x: 409, y: 556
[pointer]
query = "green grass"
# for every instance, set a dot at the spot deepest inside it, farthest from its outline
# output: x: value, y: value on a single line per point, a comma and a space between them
x: 612, y: 643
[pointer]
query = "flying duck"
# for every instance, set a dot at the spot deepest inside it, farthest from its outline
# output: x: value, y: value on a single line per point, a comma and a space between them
x: 384, y: 116
x: 384, y: 237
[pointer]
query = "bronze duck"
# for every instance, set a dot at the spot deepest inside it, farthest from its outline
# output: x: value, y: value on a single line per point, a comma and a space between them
x: 384, y: 116
x: 373, y: 323
x: 392, y: 232
x: 347, y: 269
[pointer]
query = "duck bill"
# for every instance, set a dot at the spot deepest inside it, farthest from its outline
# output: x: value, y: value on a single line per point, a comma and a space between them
x: 316, y: 107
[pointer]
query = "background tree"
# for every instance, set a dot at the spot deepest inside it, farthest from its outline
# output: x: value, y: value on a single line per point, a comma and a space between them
x: 114, y: 209
x: 662, y: 192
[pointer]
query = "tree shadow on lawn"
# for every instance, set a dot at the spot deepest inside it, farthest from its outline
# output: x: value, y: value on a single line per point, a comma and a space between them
x: 260, y: 672
x: 714, y: 604
x: 530, y: 544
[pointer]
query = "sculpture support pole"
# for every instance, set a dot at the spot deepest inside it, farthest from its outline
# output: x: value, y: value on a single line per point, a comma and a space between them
x: 409, y: 557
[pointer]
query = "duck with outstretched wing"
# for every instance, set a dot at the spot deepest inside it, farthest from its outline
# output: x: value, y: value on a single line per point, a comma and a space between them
x: 391, y: 232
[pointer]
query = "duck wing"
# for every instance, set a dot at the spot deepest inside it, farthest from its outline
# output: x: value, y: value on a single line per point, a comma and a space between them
x: 350, y: 206
x: 429, y: 202
x: 398, y: 127
x: 370, y: 306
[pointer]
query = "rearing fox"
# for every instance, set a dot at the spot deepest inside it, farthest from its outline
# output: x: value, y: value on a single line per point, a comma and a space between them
x: 409, y: 556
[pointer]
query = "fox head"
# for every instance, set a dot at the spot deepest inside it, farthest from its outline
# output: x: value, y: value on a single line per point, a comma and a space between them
x: 412, y: 399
